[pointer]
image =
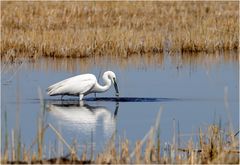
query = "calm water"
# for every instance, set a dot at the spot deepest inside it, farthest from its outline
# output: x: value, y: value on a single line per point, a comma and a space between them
x: 190, y: 91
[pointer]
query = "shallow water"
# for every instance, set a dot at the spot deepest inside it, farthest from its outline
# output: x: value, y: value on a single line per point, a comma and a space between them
x: 189, y: 90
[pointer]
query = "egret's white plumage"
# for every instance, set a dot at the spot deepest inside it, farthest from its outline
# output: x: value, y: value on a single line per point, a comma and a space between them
x: 82, y: 85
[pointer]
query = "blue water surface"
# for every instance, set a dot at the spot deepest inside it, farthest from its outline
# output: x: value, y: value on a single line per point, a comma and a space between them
x: 191, y: 96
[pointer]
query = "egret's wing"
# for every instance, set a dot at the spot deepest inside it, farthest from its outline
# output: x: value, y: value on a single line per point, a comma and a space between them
x: 73, y: 85
x: 63, y: 82
x: 56, y: 85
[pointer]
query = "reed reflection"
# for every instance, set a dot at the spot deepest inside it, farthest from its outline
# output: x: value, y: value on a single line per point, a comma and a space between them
x: 206, y: 60
x: 137, y: 61
x: 84, y: 118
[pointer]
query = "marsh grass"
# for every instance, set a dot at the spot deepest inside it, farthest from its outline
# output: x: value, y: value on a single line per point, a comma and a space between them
x: 118, y: 29
x: 214, y: 144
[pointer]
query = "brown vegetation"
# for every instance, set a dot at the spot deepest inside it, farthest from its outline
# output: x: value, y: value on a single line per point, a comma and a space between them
x: 213, y: 146
x: 86, y: 29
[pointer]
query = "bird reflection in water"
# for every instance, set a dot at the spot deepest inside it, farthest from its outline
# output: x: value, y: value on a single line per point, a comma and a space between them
x: 84, y: 118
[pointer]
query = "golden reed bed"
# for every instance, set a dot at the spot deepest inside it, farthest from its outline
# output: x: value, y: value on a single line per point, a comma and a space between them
x: 85, y: 29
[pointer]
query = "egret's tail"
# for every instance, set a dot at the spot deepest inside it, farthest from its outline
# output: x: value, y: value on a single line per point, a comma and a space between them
x: 50, y: 91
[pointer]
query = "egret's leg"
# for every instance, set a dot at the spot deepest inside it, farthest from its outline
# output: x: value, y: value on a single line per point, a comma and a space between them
x: 80, y: 100
x: 80, y: 97
x: 62, y: 97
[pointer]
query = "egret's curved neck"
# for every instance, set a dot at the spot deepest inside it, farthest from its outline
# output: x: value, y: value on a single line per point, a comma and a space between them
x: 106, y: 86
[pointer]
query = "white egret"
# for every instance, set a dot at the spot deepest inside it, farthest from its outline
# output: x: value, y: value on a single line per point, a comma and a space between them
x: 82, y: 85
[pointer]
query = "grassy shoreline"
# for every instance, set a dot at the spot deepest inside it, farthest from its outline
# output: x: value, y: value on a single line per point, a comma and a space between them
x: 87, y: 29
x: 214, y: 145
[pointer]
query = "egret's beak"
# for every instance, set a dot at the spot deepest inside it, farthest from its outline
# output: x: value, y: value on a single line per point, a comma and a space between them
x: 116, y: 87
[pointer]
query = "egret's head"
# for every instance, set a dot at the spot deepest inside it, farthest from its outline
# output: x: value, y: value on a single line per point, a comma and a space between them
x: 112, y: 77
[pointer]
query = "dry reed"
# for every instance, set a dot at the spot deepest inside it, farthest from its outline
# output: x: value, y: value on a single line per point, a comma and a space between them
x: 87, y: 29
x: 213, y: 146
